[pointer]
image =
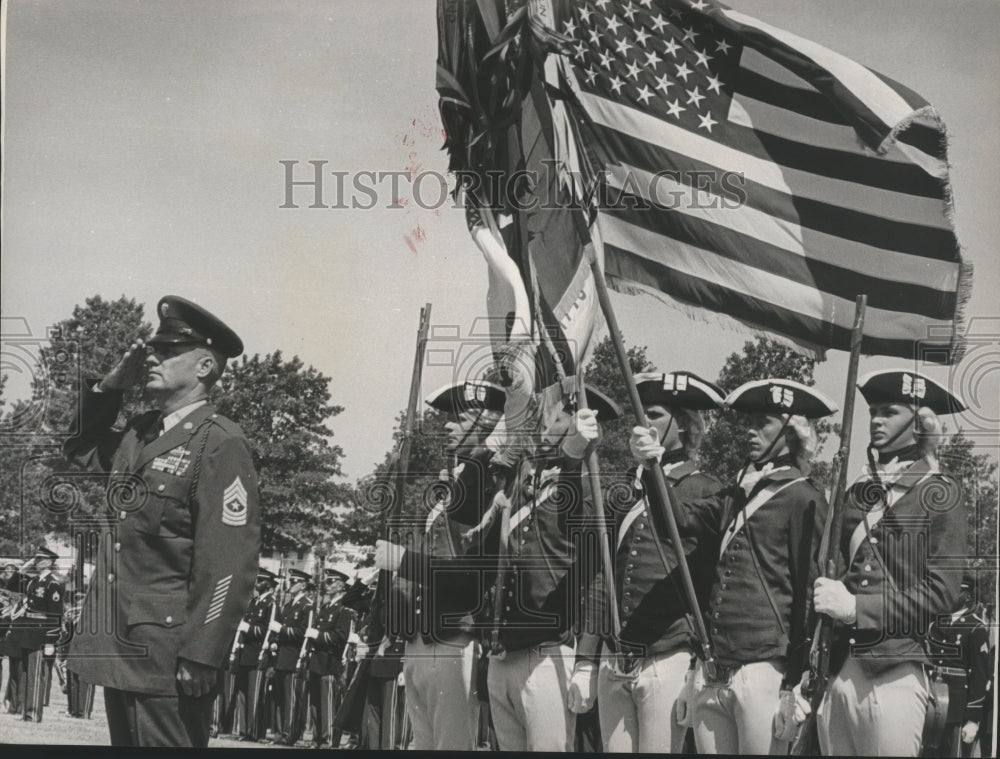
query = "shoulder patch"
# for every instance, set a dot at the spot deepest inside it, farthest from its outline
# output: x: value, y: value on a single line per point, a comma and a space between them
x: 234, y: 504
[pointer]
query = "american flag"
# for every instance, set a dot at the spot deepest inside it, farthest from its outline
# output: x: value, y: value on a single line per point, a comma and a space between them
x: 762, y: 176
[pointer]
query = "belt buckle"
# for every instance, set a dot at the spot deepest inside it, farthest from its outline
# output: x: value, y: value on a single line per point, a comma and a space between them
x: 718, y: 674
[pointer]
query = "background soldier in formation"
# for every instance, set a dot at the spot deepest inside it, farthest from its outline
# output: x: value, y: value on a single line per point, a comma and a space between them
x: 40, y: 627
x: 252, y: 627
x: 641, y: 679
x: 903, y: 524
x: 290, y: 630
x: 326, y: 665
x: 178, y: 560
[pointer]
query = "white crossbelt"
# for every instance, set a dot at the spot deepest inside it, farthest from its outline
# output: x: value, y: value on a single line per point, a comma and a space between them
x: 633, y: 514
x: 762, y: 497
x: 872, y: 518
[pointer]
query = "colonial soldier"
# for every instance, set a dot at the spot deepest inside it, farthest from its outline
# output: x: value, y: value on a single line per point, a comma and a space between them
x: 442, y: 652
x: 639, y: 684
x: 290, y: 629
x: 41, y: 624
x: 252, y: 628
x: 326, y: 665
x: 769, y: 523
x: 960, y: 650
x: 904, y: 528
x: 183, y: 536
x: 542, y: 669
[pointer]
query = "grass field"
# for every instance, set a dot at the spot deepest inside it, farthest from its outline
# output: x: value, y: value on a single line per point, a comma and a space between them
x: 57, y: 728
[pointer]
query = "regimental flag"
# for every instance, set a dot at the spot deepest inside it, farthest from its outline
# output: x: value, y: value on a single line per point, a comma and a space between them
x: 762, y: 176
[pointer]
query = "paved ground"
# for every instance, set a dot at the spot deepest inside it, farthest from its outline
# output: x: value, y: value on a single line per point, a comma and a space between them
x: 58, y: 728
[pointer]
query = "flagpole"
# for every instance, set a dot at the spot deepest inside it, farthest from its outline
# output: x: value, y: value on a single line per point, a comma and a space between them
x: 659, y: 482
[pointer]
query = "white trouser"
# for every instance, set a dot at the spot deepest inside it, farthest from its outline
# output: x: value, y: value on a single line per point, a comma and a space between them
x: 441, y: 699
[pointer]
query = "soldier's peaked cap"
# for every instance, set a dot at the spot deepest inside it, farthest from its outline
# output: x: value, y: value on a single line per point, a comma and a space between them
x: 471, y: 395
x: 898, y: 386
x: 183, y: 322
x: 681, y: 389
x: 45, y: 553
x: 336, y: 574
x: 780, y: 396
x: 266, y: 574
x: 297, y: 575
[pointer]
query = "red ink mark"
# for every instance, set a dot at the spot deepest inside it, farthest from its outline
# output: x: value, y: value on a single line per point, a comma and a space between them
x: 409, y: 242
x: 419, y: 234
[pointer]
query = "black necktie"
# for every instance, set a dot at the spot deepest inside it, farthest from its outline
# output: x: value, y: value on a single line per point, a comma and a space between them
x: 154, y: 430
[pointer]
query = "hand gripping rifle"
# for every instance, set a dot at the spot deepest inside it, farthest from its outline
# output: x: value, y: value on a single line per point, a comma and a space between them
x: 264, y: 673
x: 349, y: 717
x: 814, y: 687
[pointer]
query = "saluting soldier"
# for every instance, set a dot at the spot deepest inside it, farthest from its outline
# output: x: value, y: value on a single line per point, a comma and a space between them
x: 326, y: 665
x: 290, y: 629
x: 960, y: 649
x: 442, y: 652
x: 40, y: 628
x: 769, y: 524
x: 183, y: 533
x: 904, y: 529
x: 252, y: 627
x: 639, y: 685
x: 543, y: 671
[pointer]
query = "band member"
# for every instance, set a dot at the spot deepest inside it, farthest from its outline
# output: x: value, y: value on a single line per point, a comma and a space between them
x: 290, y: 629
x: 641, y: 679
x: 252, y: 627
x: 176, y: 568
x: 904, y: 528
x: 769, y: 523
x: 41, y: 624
x: 442, y: 653
x: 960, y: 650
x: 326, y: 665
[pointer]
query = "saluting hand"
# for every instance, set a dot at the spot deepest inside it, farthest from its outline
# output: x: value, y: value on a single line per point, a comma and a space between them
x: 830, y: 597
x: 388, y: 555
x: 195, y: 679
x: 128, y: 370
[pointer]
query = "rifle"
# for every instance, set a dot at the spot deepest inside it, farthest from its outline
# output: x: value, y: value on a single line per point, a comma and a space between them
x: 351, y: 713
x: 807, y: 742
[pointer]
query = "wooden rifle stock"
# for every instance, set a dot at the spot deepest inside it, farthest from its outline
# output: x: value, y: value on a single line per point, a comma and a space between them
x: 807, y: 743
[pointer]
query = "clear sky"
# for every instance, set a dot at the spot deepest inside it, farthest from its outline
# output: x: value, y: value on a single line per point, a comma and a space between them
x: 142, y: 142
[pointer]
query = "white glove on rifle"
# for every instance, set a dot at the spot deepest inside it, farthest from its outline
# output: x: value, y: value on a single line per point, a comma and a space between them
x: 582, y: 687
x: 243, y: 626
x: 311, y: 633
x: 792, y: 711
x: 586, y: 430
x: 645, y: 444
x: 830, y: 597
x: 275, y: 627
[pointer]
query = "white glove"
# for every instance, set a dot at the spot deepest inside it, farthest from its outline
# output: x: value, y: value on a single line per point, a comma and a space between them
x: 388, y: 555
x: 274, y: 626
x: 683, y: 712
x: 382, y: 647
x: 312, y: 633
x: 969, y: 731
x: 585, y: 430
x: 49, y: 650
x: 582, y: 687
x: 645, y: 444
x: 243, y: 626
x: 830, y: 597
x: 361, y: 650
x: 355, y: 639
x: 793, y: 708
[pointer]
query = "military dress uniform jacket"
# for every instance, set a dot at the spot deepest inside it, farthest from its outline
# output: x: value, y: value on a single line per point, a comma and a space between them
x: 42, y: 618
x: 334, y: 626
x: 923, y: 530
x: 652, y: 605
x: 294, y: 618
x: 428, y: 598
x: 767, y: 564
x: 180, y: 554
x: 962, y: 642
x: 258, y: 616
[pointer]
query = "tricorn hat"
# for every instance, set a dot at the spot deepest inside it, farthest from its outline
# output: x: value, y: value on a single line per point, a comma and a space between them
x: 898, y: 386
x: 681, y: 389
x: 780, y: 396
x: 470, y: 395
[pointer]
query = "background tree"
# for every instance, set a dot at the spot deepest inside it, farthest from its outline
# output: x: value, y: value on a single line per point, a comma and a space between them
x: 724, y: 449
x: 977, y: 474
x: 284, y: 407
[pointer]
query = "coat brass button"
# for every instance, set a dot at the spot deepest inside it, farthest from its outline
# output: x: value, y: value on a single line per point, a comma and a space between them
x: 118, y: 546
x: 169, y: 620
x: 111, y: 578
x: 161, y: 488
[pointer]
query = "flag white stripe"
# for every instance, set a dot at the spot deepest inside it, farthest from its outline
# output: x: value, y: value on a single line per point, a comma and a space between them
x: 888, y: 265
x: 747, y: 280
x: 881, y: 99
x: 793, y: 182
